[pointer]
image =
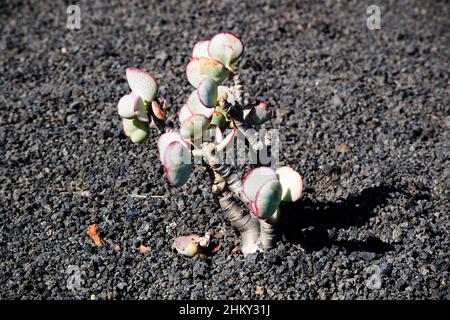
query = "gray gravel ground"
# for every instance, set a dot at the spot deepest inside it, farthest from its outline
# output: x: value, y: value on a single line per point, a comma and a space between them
x: 365, y: 118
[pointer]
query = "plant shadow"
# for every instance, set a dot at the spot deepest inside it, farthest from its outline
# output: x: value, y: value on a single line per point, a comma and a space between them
x: 313, y: 224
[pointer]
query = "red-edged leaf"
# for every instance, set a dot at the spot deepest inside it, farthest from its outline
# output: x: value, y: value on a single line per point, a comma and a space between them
x: 201, y: 49
x: 196, y: 107
x: 184, y: 113
x: 160, y: 114
x: 194, y: 126
x: 166, y: 139
x: 291, y: 183
x: 177, y: 163
x: 207, y: 92
x: 199, y: 68
x: 225, y: 47
x: 131, y: 106
x: 142, y: 83
x: 136, y: 130
x: 258, y: 114
x: 255, y: 178
x: 268, y: 198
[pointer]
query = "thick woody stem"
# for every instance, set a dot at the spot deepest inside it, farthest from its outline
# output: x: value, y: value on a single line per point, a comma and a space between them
x: 249, y: 134
x: 218, y: 185
x: 247, y: 225
x: 268, y: 234
x: 234, y: 184
x: 232, y: 180
x: 255, y: 233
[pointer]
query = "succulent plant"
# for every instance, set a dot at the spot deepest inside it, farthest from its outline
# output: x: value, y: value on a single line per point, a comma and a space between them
x: 212, y: 117
x: 192, y: 244
x: 138, y: 109
x: 266, y: 189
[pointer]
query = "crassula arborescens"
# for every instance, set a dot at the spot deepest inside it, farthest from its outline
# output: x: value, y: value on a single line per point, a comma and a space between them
x: 210, y: 121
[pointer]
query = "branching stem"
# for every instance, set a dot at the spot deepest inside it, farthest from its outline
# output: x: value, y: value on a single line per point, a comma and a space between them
x: 256, y: 234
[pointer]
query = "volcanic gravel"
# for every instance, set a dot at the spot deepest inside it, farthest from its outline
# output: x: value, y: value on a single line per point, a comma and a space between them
x: 363, y: 116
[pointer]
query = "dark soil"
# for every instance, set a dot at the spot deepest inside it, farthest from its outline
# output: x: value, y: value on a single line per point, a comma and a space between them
x: 364, y: 116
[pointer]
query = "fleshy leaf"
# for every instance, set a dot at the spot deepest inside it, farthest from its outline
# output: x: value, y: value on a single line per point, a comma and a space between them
x: 255, y: 178
x: 131, y: 106
x: 165, y: 139
x: 268, y: 198
x: 258, y: 114
x: 201, y: 49
x: 194, y: 126
x: 291, y: 183
x: 195, y: 106
x: 127, y: 106
x: 142, y: 83
x: 199, y: 68
x: 225, y: 47
x: 136, y: 130
x: 184, y: 113
x: 219, y: 120
x: 227, y: 140
x: 177, y: 163
x: 207, y: 92
x: 158, y: 112
x: 191, y: 245
x: 187, y: 245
